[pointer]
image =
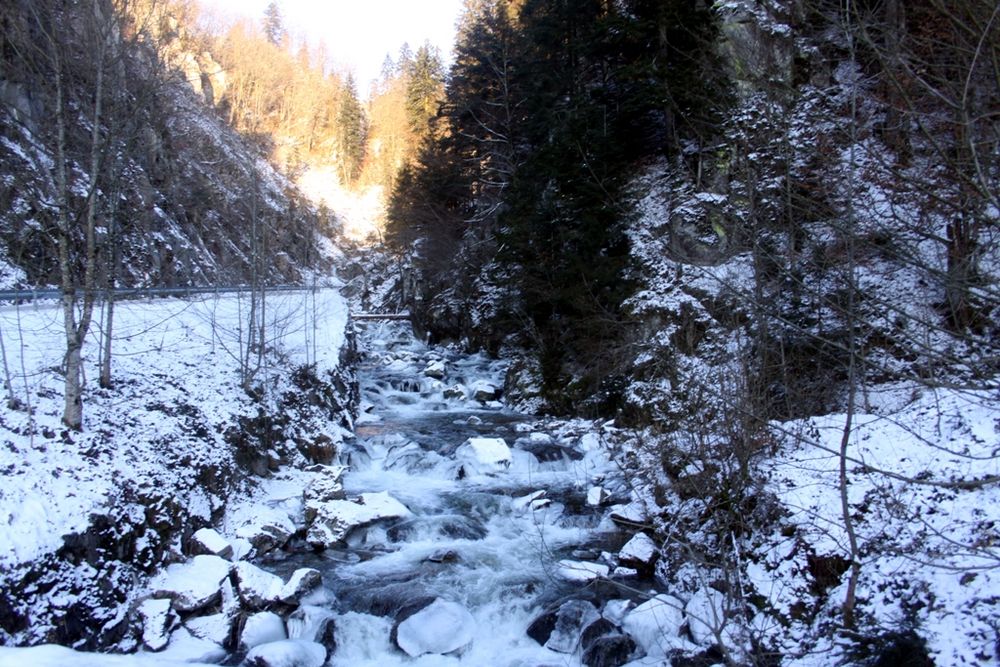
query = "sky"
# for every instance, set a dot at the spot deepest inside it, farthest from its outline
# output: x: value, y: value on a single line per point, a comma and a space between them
x: 360, y: 33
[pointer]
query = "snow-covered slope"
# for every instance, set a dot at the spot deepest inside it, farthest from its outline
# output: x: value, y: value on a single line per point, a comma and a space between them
x: 84, y: 516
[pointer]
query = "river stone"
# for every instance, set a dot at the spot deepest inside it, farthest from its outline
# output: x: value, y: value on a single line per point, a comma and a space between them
x: 559, y: 629
x: 157, y: 619
x: 302, y: 582
x: 287, y: 653
x: 270, y: 529
x: 656, y: 623
x: 483, y: 456
x: 262, y: 628
x: 706, y: 615
x: 484, y: 391
x: 578, y: 570
x: 597, y: 496
x: 208, y: 541
x: 435, y: 370
x: 215, y: 628
x: 336, y: 518
x: 639, y: 552
x: 193, y: 585
x: 257, y: 589
x: 610, y: 651
x: 324, y: 487
x: 456, y: 391
x: 440, y: 627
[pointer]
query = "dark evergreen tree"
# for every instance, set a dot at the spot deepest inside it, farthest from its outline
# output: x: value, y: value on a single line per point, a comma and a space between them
x: 425, y: 80
x: 274, y: 24
x: 351, y: 132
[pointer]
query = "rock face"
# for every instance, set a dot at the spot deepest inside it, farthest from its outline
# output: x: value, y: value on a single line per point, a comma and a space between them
x: 333, y: 520
x: 440, y: 627
x: 483, y: 456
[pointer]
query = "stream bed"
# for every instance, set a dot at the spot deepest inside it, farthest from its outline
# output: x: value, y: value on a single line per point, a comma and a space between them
x: 496, y: 543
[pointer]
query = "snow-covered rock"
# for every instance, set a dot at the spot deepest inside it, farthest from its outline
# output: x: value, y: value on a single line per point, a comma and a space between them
x: 185, y: 648
x: 157, y: 620
x: 192, y: 585
x: 325, y: 486
x: 335, y: 519
x: 639, y: 552
x: 596, y: 496
x: 484, y: 391
x: 633, y: 514
x: 706, y: 615
x: 287, y: 653
x: 312, y: 623
x: 440, y: 627
x: 483, y: 456
x: 560, y: 629
x: 435, y: 370
x: 302, y: 582
x: 269, y: 530
x: 456, y: 391
x: 578, y: 570
x: 656, y: 623
x: 256, y: 588
x: 262, y: 628
x: 533, y: 500
x: 215, y: 628
x: 616, y: 610
x: 208, y: 541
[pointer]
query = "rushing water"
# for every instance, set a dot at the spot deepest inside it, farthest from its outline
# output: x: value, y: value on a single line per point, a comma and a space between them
x: 470, y: 540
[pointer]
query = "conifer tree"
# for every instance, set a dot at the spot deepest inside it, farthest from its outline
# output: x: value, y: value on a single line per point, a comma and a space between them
x: 274, y: 24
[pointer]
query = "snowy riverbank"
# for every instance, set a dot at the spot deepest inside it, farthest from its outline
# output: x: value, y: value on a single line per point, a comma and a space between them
x: 84, y: 517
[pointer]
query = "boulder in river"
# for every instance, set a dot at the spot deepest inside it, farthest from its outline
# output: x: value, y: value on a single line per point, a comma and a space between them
x: 262, y: 628
x: 287, y: 653
x: 484, y: 391
x: 435, y: 370
x: 560, y: 628
x: 580, y: 570
x: 333, y: 520
x: 302, y: 582
x: 639, y: 552
x: 440, y: 627
x: 483, y: 456
x: 257, y: 589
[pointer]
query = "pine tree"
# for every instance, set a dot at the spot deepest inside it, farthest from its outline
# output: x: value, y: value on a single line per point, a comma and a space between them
x: 351, y: 132
x: 274, y: 25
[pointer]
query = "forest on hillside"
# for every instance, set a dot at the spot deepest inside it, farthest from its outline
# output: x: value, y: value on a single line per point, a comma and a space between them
x: 817, y: 143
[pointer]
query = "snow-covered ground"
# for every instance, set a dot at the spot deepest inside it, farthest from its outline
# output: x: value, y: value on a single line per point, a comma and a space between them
x: 159, y: 443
